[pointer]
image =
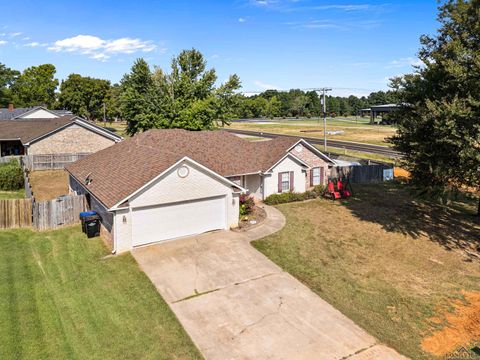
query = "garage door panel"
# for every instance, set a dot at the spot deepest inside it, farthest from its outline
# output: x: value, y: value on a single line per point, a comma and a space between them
x: 154, y: 224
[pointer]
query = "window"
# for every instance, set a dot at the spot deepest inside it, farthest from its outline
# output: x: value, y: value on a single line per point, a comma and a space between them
x: 316, y: 176
x: 285, y: 177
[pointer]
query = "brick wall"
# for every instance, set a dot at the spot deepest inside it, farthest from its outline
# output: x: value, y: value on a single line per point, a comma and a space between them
x: 312, y: 160
x: 73, y: 139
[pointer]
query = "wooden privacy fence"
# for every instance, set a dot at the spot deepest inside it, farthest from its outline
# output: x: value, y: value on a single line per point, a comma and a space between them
x: 363, y: 173
x: 15, y: 213
x: 26, y: 181
x: 52, y: 214
x: 7, y: 159
x: 50, y: 161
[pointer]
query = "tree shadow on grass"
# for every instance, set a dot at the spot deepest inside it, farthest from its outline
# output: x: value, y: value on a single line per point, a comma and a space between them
x: 396, y: 210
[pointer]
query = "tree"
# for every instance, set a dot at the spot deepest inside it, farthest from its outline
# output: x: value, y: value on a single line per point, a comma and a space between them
x: 7, y: 79
x: 84, y: 96
x: 140, y: 98
x: 439, y: 127
x: 272, y: 107
x: 35, y: 86
x: 184, y: 98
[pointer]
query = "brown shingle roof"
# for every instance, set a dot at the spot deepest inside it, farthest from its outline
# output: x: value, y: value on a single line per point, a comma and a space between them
x: 27, y: 130
x: 120, y: 170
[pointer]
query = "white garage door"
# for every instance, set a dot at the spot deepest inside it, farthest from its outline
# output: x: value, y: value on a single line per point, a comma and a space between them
x: 153, y: 224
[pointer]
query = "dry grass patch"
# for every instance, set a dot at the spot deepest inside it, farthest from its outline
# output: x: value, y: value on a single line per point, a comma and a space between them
x: 49, y: 184
x: 372, y: 134
x: 384, y: 259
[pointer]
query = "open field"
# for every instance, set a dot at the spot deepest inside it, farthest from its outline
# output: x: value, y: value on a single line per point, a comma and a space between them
x: 395, y: 265
x: 357, y: 131
x: 61, y: 299
x: 19, y: 194
x: 49, y: 184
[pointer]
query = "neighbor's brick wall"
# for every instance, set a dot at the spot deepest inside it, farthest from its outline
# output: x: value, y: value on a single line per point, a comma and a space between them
x: 312, y: 160
x: 73, y: 139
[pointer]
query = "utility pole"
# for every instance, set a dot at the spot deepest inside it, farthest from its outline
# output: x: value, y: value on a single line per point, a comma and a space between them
x: 324, y: 90
x: 104, y: 115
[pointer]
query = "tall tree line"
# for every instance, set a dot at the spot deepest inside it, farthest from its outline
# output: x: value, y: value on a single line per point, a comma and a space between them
x: 298, y: 103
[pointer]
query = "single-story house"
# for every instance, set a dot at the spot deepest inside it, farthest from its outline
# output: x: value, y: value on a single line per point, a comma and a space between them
x: 54, y: 135
x: 34, y: 112
x: 166, y: 184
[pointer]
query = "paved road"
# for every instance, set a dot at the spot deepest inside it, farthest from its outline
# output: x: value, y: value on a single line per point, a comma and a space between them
x: 236, y: 304
x: 368, y: 148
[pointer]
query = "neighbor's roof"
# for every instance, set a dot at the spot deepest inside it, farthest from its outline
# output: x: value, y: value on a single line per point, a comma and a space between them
x: 28, y: 130
x: 6, y: 114
x: 118, y: 171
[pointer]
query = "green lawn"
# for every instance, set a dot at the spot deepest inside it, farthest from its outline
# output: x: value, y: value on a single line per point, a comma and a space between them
x: 19, y: 194
x: 386, y: 260
x: 61, y: 299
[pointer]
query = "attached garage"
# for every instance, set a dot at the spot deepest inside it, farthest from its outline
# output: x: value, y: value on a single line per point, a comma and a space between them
x: 176, y: 220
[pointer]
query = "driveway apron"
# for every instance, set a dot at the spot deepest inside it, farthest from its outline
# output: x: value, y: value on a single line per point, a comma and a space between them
x: 237, y: 304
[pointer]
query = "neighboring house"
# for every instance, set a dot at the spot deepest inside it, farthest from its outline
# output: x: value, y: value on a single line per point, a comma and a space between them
x: 166, y: 184
x: 36, y: 112
x: 55, y: 135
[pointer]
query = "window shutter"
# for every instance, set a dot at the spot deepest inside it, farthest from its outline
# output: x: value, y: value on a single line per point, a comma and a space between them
x: 322, y: 175
x: 291, y: 180
x: 311, y: 177
x: 279, y: 182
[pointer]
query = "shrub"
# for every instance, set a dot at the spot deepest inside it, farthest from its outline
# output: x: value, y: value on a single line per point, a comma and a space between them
x: 283, y: 198
x: 287, y: 197
x: 246, y: 204
x: 11, y: 176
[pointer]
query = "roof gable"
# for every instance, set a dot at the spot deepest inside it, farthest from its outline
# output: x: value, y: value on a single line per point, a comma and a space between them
x: 27, y: 112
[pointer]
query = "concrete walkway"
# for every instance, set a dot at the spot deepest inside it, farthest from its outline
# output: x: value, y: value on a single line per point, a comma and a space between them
x: 237, y: 304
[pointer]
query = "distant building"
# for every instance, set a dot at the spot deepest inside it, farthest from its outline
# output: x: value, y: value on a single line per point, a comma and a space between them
x: 34, y: 112
x: 376, y: 110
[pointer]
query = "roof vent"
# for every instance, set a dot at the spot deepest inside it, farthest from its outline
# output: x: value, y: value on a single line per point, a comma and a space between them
x: 88, y: 179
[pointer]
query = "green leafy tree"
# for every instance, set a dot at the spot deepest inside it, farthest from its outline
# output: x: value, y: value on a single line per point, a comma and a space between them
x: 184, y: 98
x: 140, y: 99
x: 84, y: 96
x: 35, y: 86
x: 439, y: 128
x: 273, y: 107
x: 7, y: 79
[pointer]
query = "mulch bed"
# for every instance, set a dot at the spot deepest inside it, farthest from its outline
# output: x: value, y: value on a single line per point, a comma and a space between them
x: 254, y: 219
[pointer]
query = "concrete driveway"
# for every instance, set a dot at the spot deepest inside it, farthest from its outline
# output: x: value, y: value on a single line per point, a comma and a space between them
x: 237, y: 304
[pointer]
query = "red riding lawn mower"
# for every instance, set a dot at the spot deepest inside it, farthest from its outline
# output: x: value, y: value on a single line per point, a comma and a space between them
x: 338, y: 189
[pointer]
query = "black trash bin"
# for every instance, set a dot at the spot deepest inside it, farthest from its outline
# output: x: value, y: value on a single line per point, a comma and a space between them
x: 85, y: 215
x: 92, y: 226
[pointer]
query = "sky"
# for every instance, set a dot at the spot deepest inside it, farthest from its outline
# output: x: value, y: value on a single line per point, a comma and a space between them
x: 352, y: 46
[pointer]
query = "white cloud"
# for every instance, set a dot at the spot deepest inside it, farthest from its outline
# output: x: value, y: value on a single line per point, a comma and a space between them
x: 25, y: 38
x: 241, y: 20
x: 214, y: 56
x: 3, y: 42
x: 14, y: 34
x: 265, y: 86
x: 32, y: 44
x: 356, y: 7
x: 404, y: 62
x: 101, y: 49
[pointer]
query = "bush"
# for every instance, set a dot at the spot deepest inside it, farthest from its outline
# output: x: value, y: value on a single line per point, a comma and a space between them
x: 283, y: 198
x: 246, y: 204
x: 287, y: 197
x: 11, y: 176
